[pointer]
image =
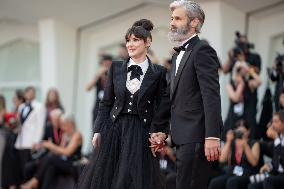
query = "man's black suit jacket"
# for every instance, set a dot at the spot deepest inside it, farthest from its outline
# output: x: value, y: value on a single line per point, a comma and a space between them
x: 192, y: 101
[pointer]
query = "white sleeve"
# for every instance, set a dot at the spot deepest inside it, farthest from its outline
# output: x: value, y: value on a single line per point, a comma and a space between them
x: 40, y: 124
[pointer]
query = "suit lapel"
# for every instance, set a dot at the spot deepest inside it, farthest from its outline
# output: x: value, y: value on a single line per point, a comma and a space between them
x: 24, y: 118
x: 183, y: 62
x: 149, y: 78
x: 180, y: 68
x: 120, y: 79
x: 174, y: 58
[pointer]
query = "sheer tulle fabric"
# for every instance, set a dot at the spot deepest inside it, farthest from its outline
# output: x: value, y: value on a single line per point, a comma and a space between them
x: 124, y: 160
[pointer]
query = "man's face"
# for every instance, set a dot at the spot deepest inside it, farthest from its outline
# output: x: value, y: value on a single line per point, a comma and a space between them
x: 179, y: 25
x: 277, y: 124
x: 30, y: 95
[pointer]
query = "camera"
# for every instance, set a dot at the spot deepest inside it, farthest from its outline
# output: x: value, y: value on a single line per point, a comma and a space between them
x: 241, y: 46
x: 258, y: 177
x: 238, y: 134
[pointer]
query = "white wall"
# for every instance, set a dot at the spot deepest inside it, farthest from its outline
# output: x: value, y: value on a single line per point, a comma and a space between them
x: 58, y: 49
x: 13, y: 30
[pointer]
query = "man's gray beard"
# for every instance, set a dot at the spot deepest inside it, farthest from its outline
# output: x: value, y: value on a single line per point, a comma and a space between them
x: 178, y: 36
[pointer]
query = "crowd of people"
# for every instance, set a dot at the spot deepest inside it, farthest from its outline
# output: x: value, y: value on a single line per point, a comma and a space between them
x: 250, y: 156
x: 41, y: 141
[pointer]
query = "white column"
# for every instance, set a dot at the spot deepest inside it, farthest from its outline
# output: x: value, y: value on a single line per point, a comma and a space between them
x: 57, y: 50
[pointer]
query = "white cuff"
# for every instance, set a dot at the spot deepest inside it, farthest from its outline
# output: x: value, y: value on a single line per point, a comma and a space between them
x: 212, y: 138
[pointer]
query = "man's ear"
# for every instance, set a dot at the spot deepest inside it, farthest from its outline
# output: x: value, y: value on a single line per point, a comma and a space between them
x: 194, y: 23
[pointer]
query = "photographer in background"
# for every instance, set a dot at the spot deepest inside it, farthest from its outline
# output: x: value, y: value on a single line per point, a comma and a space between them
x: 253, y: 59
x: 242, y: 92
x: 235, y: 90
x: 272, y: 174
x: 242, y: 155
x: 276, y: 74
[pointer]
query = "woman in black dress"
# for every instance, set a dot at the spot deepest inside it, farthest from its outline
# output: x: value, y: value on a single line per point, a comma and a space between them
x: 132, y: 94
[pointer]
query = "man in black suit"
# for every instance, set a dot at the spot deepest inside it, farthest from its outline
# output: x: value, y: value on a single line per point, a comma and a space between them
x: 192, y: 100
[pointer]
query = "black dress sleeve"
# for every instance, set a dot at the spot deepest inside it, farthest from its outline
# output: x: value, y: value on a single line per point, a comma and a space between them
x: 106, y: 104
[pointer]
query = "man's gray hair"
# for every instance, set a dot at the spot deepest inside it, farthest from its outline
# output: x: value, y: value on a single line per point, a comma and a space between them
x: 193, y: 10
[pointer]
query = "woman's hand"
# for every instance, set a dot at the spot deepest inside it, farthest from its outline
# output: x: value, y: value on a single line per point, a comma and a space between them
x: 47, y: 144
x: 96, y: 140
x: 157, y: 141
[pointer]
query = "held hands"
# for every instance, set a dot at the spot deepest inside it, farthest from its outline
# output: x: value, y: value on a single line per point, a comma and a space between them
x: 212, y: 149
x: 157, y: 141
x: 96, y: 140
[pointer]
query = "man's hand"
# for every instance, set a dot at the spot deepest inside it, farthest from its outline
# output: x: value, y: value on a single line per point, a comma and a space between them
x: 212, y: 149
x: 157, y: 141
x: 265, y: 168
x: 96, y: 140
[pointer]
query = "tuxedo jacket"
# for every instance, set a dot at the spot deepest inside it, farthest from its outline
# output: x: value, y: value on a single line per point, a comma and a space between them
x: 278, y: 155
x: 153, y: 86
x: 192, y: 99
x: 32, y: 127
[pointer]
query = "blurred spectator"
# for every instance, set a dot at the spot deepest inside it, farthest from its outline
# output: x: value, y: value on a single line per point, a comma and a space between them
x: 122, y: 52
x: 52, y: 130
x: 52, y: 133
x: 235, y: 90
x: 18, y: 99
x: 251, y: 81
x: 242, y: 45
x: 99, y: 82
x: 52, y: 102
x: 276, y: 74
x: 281, y: 100
x: 167, y: 63
x: 32, y: 119
x: 272, y: 174
x: 242, y: 155
x: 2, y: 110
x: 10, y: 161
x: 266, y: 113
x: 152, y: 56
x: 2, y: 122
x: 61, y: 157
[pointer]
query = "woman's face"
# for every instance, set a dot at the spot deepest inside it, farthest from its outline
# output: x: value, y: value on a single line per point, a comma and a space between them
x: 52, y: 96
x: 66, y: 126
x: 136, y: 47
x: 277, y: 124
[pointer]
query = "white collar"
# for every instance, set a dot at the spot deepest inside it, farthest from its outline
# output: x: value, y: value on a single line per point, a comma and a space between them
x: 144, y: 65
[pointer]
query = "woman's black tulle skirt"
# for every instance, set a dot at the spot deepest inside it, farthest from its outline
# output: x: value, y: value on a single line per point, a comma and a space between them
x: 124, y: 159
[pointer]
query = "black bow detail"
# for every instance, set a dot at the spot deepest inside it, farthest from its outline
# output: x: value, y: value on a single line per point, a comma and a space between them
x: 136, y: 72
x: 181, y: 48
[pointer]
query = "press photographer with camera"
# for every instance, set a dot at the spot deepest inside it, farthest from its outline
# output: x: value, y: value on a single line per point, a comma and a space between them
x: 272, y: 174
x: 276, y: 74
x: 242, y: 44
x: 242, y: 92
x: 242, y: 156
